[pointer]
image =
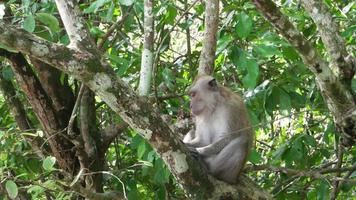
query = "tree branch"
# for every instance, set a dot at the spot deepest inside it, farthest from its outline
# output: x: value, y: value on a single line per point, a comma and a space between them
x: 43, y: 109
x: 211, y: 24
x: 144, y: 86
x: 137, y: 112
x: 111, y: 132
x: 329, y: 32
x: 116, y: 25
x: 338, y: 98
x: 60, y: 94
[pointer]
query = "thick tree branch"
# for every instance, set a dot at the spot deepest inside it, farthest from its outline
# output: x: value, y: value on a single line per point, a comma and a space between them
x: 137, y: 112
x: 111, y: 132
x: 211, y: 24
x: 329, y: 32
x: 337, y: 96
x: 60, y: 94
x: 80, y: 38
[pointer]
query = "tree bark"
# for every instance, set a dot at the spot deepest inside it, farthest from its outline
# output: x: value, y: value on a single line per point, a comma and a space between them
x: 43, y: 108
x: 211, y: 25
x: 80, y: 39
x: 335, y: 45
x: 61, y: 94
x: 147, y: 54
x: 338, y: 97
x: 136, y: 111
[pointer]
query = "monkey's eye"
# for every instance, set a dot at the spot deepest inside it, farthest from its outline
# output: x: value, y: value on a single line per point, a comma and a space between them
x: 192, y: 94
x: 212, y: 83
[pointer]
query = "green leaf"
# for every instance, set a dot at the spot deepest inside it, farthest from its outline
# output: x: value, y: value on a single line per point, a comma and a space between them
x: 309, y: 140
x: 168, y: 78
x: 279, y: 152
x: 29, y: 23
x: 95, y: 6
x: 35, y: 190
x: 11, y: 189
x: 141, y: 149
x: 96, y: 32
x: 250, y: 80
x: 254, y: 157
x: 110, y: 12
x: 223, y: 42
x: 3, y: 46
x: 244, y: 25
x: 284, y: 101
x: 160, y: 193
x: 7, y: 73
x: 49, y: 20
x: 353, y: 84
x: 126, y: 2
x: 171, y: 14
x: 48, y: 163
x: 266, y: 50
x: 289, y: 53
x: 238, y: 57
x: 159, y: 177
x: 322, y: 190
x: 33, y: 165
x: 297, y: 150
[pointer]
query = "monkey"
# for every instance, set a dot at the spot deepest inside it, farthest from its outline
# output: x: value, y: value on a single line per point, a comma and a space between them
x: 223, y: 135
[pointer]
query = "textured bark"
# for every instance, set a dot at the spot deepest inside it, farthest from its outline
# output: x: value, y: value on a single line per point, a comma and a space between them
x: 80, y: 39
x: 43, y: 109
x: 61, y: 94
x: 15, y: 104
x: 88, y: 128
x: 91, y: 139
x: 337, y: 96
x: 211, y: 25
x: 110, y: 133
x: 136, y: 111
x: 75, y: 27
x: 147, y: 54
x: 335, y: 45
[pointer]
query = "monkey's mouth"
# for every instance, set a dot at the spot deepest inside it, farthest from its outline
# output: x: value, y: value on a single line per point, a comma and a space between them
x: 196, y: 111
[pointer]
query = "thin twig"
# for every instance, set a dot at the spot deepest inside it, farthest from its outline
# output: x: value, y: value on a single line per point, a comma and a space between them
x: 340, y: 155
x: 155, y: 60
x: 74, y: 111
x: 116, y: 25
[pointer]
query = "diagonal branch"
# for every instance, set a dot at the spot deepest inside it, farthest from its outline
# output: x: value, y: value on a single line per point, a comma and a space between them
x: 136, y: 111
x: 329, y: 32
x: 338, y: 97
x: 101, y: 79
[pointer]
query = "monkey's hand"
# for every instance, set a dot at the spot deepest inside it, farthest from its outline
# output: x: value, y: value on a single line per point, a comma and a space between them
x: 214, y: 148
x: 193, y: 152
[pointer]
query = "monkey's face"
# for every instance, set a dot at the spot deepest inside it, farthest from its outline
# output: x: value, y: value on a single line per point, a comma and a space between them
x: 203, y: 94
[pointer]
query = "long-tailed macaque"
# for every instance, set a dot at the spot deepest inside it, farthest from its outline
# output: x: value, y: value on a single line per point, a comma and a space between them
x: 223, y: 134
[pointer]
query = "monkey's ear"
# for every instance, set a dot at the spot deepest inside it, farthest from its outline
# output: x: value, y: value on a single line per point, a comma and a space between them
x: 213, y: 84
